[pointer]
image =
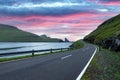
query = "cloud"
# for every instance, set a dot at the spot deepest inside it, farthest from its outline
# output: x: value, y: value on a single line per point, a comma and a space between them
x: 49, y: 7
x: 24, y: 8
x: 59, y: 18
x: 109, y: 2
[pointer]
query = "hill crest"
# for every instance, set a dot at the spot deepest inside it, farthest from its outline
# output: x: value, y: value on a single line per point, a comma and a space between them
x: 13, y: 34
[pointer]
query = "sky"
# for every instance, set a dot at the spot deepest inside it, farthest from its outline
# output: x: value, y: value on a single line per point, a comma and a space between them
x: 73, y: 19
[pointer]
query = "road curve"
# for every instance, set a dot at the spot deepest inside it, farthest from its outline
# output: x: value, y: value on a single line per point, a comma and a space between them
x: 59, y: 66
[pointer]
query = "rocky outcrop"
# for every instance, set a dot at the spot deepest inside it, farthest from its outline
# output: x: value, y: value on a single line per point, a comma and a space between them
x: 112, y: 43
x: 66, y: 40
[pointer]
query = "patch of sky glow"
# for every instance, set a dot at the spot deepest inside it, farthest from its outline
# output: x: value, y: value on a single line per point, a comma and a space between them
x: 102, y: 10
x: 65, y: 26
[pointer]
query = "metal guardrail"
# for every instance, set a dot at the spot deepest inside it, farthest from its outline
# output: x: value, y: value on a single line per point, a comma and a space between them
x: 32, y: 52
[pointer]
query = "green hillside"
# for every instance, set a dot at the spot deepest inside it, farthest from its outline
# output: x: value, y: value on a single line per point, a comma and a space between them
x: 76, y: 45
x: 110, y: 28
x: 12, y: 34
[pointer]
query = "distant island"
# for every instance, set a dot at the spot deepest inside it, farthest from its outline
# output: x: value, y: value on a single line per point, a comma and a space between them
x: 13, y: 34
x: 66, y: 40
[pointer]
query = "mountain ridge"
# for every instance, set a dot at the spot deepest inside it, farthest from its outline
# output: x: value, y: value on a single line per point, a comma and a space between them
x: 107, y: 34
x: 10, y: 33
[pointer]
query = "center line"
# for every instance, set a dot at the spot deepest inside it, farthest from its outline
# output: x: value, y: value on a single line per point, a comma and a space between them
x: 66, y: 56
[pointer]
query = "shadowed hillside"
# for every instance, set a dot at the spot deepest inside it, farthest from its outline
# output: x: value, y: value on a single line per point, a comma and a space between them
x: 12, y: 34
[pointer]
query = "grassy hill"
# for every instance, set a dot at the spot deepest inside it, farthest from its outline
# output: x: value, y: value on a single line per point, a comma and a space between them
x: 108, y: 29
x: 12, y: 34
x: 76, y: 45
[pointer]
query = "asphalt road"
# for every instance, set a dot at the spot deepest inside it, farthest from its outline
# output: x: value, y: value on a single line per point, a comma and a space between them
x: 59, y: 66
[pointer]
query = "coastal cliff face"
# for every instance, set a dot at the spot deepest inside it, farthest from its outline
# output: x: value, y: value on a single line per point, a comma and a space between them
x: 107, y: 34
x: 13, y: 34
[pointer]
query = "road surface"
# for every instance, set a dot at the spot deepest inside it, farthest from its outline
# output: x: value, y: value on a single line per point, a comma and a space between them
x: 59, y: 66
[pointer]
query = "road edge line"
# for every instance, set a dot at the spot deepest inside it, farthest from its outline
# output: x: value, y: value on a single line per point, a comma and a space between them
x: 85, y: 68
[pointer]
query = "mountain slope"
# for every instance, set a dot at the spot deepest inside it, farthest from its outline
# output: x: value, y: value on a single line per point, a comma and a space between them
x: 107, y: 33
x: 12, y: 34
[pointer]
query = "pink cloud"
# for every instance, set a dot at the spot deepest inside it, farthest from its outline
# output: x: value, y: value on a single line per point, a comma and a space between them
x: 111, y: 3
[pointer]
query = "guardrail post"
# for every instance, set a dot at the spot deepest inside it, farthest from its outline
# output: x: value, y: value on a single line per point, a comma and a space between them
x: 51, y: 50
x: 61, y: 49
x: 68, y: 49
x: 33, y: 52
x: 99, y: 48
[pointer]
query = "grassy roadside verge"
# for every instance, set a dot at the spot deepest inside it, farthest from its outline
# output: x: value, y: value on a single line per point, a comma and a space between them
x: 104, y: 66
x: 77, y: 45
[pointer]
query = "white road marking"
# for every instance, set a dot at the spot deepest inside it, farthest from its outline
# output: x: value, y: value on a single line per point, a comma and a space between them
x: 83, y: 71
x: 66, y: 56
